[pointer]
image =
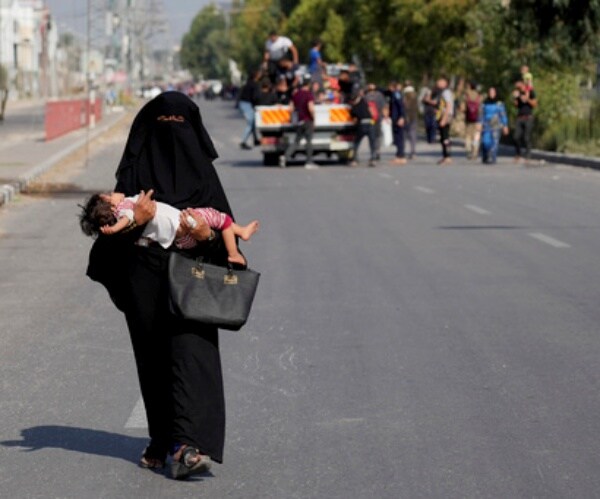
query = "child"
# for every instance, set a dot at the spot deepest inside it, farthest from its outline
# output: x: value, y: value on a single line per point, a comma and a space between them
x: 112, y: 212
x: 527, y: 78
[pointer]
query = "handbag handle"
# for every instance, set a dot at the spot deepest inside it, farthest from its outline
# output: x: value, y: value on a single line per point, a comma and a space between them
x: 199, y: 273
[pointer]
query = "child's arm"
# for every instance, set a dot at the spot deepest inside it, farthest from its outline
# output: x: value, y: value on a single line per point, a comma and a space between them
x: 117, y: 227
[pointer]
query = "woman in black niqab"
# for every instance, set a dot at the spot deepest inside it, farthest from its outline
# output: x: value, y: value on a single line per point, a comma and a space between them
x: 170, y: 151
x: 178, y: 362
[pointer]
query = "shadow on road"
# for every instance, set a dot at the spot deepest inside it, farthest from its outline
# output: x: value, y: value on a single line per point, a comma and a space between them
x: 482, y: 227
x: 515, y: 227
x: 84, y: 440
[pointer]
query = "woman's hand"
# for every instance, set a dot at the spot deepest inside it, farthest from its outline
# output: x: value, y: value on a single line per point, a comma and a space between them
x: 145, y: 208
x: 200, y: 231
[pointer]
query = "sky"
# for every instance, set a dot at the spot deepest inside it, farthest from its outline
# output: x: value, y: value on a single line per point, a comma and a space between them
x: 72, y: 14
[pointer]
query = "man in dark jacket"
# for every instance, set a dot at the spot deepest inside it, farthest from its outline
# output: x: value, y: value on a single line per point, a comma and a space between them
x: 398, y: 117
x: 363, y: 119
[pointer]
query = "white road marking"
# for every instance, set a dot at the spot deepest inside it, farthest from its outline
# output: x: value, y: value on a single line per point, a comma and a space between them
x: 549, y: 240
x: 137, y: 419
x: 477, y: 209
x: 385, y: 175
x: 425, y: 190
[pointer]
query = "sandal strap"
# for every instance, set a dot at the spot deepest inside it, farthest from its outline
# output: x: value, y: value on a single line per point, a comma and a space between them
x: 190, y: 457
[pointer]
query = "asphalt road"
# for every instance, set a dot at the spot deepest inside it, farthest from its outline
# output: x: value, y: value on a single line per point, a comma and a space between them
x: 419, y: 332
x: 21, y: 122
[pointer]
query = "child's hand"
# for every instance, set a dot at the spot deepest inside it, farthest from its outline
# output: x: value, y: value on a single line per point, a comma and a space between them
x: 201, y: 231
x: 107, y: 230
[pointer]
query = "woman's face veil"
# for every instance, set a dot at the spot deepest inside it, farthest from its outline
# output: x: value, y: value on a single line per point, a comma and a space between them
x: 170, y: 151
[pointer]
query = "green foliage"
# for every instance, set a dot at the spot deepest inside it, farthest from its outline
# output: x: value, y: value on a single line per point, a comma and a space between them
x: 305, y: 25
x: 567, y: 119
x: 557, y: 31
x: 250, y: 29
x: 482, y: 40
x: 205, y: 48
x: 333, y: 37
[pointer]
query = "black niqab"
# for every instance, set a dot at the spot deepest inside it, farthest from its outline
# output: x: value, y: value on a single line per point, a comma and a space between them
x: 170, y: 151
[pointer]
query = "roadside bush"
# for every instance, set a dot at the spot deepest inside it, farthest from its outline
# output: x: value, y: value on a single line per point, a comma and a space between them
x: 568, y: 117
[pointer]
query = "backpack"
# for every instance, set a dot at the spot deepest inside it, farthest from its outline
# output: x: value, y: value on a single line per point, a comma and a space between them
x: 472, y: 112
x: 373, y: 110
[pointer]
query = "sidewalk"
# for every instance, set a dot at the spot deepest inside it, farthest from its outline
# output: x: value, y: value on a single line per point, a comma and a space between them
x: 23, y: 161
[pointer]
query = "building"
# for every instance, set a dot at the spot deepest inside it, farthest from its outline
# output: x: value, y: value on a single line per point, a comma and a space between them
x: 28, y: 41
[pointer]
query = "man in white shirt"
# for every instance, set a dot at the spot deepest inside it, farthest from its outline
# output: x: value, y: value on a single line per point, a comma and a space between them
x: 276, y: 48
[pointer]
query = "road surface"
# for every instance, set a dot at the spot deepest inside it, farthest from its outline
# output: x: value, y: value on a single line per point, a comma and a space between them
x: 419, y: 332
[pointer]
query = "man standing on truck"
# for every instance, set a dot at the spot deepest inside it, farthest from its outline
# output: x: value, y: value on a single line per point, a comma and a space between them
x: 303, y: 103
x: 276, y: 48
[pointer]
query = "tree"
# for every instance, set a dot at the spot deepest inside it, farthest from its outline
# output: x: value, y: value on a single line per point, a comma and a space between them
x: 304, y: 26
x: 205, y: 47
x: 561, y: 32
x: 250, y: 28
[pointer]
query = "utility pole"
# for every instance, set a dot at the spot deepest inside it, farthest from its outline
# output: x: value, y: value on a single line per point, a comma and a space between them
x: 3, y: 72
x: 89, y: 73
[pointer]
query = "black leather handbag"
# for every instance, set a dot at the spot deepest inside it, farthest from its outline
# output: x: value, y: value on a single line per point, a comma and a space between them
x: 209, y: 293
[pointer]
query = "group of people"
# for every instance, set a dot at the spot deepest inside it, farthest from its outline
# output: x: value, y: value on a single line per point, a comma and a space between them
x: 376, y: 110
x: 280, y: 77
x: 485, y: 118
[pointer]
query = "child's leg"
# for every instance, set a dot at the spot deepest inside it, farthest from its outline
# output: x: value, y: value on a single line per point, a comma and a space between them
x: 245, y: 231
x: 230, y: 244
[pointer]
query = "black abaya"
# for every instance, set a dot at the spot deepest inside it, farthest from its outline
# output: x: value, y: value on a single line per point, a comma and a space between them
x: 178, y: 361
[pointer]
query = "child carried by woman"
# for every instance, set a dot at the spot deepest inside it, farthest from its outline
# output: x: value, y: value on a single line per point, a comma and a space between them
x: 112, y: 212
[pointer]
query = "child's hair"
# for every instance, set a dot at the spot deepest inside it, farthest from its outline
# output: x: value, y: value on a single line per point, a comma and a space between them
x: 95, y: 213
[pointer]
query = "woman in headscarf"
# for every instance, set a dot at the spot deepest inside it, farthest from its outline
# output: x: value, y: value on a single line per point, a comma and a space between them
x: 169, y: 154
x: 493, y: 122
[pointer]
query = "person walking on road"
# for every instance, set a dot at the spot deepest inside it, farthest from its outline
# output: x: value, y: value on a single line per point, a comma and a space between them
x: 525, y: 100
x: 248, y: 97
x: 377, y: 105
x: 303, y: 103
x: 471, y: 108
x: 493, y: 122
x: 361, y: 114
x: 445, y: 112
x: 398, y: 117
x: 429, y: 100
x: 170, y: 153
x: 411, y: 111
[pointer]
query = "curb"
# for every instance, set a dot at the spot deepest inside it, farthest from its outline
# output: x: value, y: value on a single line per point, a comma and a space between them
x: 8, y: 192
x: 547, y: 156
x: 567, y: 159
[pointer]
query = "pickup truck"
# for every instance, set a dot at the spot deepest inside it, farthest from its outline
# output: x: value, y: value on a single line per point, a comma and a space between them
x: 333, y: 135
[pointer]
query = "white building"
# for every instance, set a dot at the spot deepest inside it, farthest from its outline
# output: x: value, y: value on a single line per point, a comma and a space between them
x: 28, y: 42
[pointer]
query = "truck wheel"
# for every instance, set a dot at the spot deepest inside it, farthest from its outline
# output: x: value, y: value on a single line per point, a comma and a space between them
x: 344, y: 157
x: 271, y: 158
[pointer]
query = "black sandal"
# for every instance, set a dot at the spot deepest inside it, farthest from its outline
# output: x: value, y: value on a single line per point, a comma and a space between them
x: 191, y: 462
x: 150, y: 460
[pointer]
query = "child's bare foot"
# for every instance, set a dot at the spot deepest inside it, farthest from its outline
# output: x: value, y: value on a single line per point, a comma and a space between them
x: 247, y: 231
x: 237, y: 258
